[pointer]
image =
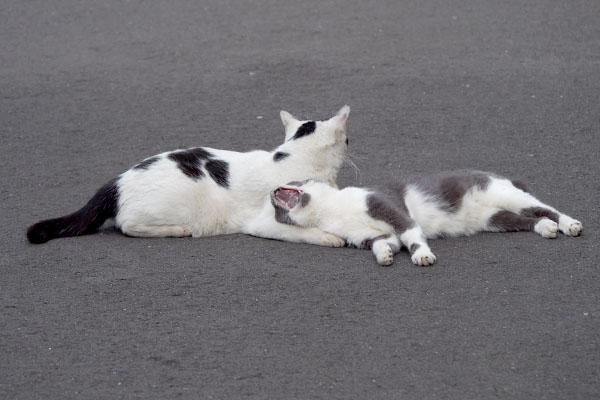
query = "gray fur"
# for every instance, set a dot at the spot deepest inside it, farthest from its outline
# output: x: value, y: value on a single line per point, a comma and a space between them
x: 368, y: 243
x: 448, y: 187
x: 414, y: 247
x: 281, y: 213
x: 539, y: 212
x: 304, y: 199
x: 379, y: 207
x: 506, y: 221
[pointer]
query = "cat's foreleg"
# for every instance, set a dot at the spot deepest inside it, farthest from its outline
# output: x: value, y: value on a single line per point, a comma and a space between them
x: 416, y: 243
x: 384, y: 247
x: 265, y: 226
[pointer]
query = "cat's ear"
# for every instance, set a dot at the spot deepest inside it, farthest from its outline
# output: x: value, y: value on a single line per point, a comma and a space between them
x: 341, y: 117
x: 286, y: 118
x: 344, y: 112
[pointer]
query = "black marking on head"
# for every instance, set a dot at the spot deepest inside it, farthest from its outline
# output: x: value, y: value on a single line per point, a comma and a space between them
x: 304, y: 199
x: 506, y: 221
x: 305, y: 129
x: 219, y: 171
x: 382, y: 209
x: 190, y: 161
x: 145, y: 164
x: 414, y: 247
x: 347, y: 142
x: 539, y: 212
x: 280, y: 155
x: 367, y: 244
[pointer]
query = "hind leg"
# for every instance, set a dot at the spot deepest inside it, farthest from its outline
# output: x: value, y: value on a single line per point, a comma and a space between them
x: 507, y: 221
x: 518, y: 201
x: 144, y: 230
x: 566, y: 224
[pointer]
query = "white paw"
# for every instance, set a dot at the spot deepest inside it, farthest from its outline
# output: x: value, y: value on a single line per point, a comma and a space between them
x: 333, y: 240
x: 423, y: 257
x: 547, y: 228
x: 385, y: 257
x: 570, y: 226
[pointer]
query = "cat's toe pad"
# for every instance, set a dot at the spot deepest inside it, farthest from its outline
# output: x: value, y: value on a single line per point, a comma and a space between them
x: 570, y: 226
x: 547, y: 228
x: 423, y: 257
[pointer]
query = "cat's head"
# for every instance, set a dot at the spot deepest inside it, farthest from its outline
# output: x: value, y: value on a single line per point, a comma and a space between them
x: 295, y: 203
x: 318, y: 146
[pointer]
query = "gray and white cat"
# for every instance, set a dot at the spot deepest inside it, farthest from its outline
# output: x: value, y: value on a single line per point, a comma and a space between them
x: 408, y: 212
x: 204, y: 191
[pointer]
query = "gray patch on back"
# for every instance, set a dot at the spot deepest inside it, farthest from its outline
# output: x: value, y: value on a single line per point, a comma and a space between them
x: 379, y: 207
x: 448, y: 187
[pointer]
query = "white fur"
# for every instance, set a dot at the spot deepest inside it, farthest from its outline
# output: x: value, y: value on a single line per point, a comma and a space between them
x: 162, y: 201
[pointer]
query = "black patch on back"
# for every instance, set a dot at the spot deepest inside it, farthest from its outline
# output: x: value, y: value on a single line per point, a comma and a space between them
x: 190, y: 161
x: 539, y: 212
x: 506, y: 221
x: 145, y: 164
x: 384, y: 210
x: 305, y: 129
x: 280, y: 155
x: 219, y: 171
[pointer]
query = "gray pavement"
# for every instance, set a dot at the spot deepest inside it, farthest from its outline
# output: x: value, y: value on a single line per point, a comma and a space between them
x: 87, y: 90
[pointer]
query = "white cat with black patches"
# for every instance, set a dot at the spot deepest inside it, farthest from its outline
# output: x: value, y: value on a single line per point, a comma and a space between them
x: 204, y: 191
x: 408, y: 212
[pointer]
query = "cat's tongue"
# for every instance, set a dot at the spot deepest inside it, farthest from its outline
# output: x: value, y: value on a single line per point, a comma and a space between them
x: 287, y: 197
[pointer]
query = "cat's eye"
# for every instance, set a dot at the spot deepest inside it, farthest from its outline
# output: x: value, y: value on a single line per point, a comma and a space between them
x: 347, y: 141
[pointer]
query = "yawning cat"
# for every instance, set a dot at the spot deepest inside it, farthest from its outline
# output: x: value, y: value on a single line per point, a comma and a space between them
x: 203, y: 191
x: 409, y: 211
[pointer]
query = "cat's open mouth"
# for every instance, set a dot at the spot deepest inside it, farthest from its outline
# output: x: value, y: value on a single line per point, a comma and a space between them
x: 287, y: 197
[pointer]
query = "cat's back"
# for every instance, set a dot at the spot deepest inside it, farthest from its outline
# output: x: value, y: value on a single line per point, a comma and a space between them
x: 447, y: 187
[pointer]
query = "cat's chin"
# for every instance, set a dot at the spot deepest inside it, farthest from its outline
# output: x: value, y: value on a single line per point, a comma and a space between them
x: 287, y: 197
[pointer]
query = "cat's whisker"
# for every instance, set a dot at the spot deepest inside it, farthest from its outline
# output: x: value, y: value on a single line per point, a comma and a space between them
x: 357, y: 172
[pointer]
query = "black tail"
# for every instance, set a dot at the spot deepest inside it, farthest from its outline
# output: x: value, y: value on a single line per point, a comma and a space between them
x: 102, y: 206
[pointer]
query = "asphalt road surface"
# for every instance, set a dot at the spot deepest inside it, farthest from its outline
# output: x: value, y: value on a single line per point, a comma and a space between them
x: 88, y: 90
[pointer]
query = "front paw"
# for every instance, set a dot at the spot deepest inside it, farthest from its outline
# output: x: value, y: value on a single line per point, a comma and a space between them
x: 423, y: 257
x: 332, y: 240
x: 385, y: 257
